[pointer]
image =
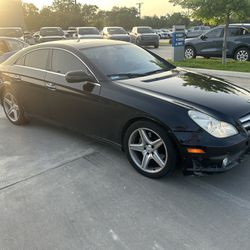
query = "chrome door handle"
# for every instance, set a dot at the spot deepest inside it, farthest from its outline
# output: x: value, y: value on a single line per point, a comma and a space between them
x: 17, y: 78
x: 51, y: 86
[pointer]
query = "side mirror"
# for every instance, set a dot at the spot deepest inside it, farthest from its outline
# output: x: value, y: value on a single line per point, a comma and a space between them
x: 203, y: 37
x: 78, y: 76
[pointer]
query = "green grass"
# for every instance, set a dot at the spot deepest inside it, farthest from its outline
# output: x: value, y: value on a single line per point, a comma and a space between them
x: 214, y: 64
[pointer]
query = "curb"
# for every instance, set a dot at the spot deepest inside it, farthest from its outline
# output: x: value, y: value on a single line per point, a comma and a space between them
x: 221, y: 73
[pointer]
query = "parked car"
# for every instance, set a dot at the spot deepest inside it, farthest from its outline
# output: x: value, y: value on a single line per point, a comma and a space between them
x: 156, y: 113
x: 115, y: 33
x: 48, y: 34
x: 144, y: 36
x: 36, y: 36
x: 28, y: 38
x: 197, y: 31
x: 210, y: 43
x: 14, y: 32
x: 162, y: 34
x: 9, y: 46
x: 71, y: 34
x: 88, y: 32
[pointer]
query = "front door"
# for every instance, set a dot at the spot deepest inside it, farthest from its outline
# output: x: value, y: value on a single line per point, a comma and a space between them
x: 211, y: 43
x: 74, y: 105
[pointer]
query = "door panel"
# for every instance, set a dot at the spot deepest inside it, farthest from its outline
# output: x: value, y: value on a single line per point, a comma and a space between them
x: 211, y: 43
x: 74, y: 105
x: 31, y: 91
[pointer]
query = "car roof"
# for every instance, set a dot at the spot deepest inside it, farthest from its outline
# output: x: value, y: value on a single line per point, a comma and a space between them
x: 142, y: 27
x: 86, y: 27
x: 80, y: 44
x: 240, y: 25
x: 50, y: 28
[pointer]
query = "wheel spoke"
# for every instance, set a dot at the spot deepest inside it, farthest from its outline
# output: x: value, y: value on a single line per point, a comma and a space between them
x: 158, y: 160
x: 137, y: 147
x: 11, y: 110
x: 15, y: 113
x: 9, y: 102
x: 145, y: 161
x: 144, y: 137
x: 157, y: 143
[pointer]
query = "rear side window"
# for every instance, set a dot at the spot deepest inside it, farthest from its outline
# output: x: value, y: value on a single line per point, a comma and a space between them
x: 37, y: 59
x: 237, y: 32
x: 20, y: 61
x: 63, y: 62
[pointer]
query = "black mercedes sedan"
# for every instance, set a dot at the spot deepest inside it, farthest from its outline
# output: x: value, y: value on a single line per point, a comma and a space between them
x: 116, y: 91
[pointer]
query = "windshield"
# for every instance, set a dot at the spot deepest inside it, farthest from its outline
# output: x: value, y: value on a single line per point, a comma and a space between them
x: 88, y: 31
x: 125, y: 61
x: 145, y: 30
x: 11, y: 32
x: 116, y: 31
x: 51, y: 32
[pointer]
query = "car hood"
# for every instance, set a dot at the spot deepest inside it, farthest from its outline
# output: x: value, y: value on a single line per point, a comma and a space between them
x: 194, y: 91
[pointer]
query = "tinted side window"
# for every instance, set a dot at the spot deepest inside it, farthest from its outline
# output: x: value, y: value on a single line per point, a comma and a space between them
x: 214, y: 33
x: 20, y: 61
x: 63, y: 62
x: 37, y: 59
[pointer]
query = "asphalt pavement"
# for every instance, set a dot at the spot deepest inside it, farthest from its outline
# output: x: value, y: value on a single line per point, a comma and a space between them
x: 62, y: 190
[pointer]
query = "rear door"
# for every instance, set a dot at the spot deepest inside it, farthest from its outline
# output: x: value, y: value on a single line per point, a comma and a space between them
x: 74, y: 105
x: 237, y: 36
x: 30, y: 81
x: 211, y: 43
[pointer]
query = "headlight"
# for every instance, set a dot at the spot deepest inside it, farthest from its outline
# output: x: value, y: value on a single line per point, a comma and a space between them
x: 214, y: 127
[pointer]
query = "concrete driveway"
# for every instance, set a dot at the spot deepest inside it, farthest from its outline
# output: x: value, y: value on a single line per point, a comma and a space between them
x: 61, y: 190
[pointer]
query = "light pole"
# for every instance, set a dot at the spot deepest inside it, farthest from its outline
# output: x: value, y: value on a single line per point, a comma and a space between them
x: 139, y: 8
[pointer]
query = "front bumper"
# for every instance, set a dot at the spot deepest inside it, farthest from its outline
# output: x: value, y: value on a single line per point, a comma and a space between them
x: 220, y: 155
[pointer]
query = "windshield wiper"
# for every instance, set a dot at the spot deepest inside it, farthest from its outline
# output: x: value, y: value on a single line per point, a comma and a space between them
x: 155, y: 72
x: 134, y: 75
x: 126, y: 75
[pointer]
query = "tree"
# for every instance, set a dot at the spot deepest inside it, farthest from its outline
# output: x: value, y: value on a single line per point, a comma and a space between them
x: 220, y: 11
x: 88, y: 14
x: 31, y: 15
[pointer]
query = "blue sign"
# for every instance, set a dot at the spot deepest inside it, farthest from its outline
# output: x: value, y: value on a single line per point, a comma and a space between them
x: 178, y: 39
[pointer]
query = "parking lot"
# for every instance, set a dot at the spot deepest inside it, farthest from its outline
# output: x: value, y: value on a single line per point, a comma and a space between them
x: 62, y: 190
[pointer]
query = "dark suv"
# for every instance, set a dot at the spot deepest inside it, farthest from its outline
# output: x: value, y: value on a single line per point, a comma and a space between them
x: 210, y: 43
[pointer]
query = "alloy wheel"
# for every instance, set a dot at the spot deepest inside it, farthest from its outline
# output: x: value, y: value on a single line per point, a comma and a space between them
x: 148, y: 150
x: 242, y: 55
x: 11, y: 107
x: 189, y: 53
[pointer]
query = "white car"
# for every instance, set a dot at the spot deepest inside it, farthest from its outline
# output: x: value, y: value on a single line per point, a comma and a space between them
x: 88, y: 33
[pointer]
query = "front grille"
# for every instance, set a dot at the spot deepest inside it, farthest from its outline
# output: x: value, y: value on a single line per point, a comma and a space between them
x: 148, y: 38
x: 245, y: 122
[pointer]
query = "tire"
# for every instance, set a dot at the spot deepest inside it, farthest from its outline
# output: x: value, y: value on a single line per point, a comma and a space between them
x: 12, y: 108
x: 156, y: 45
x: 149, y: 149
x: 242, y: 54
x: 190, y: 52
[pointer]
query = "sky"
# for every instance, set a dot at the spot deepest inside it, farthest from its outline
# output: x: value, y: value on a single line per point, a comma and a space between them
x: 149, y: 7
